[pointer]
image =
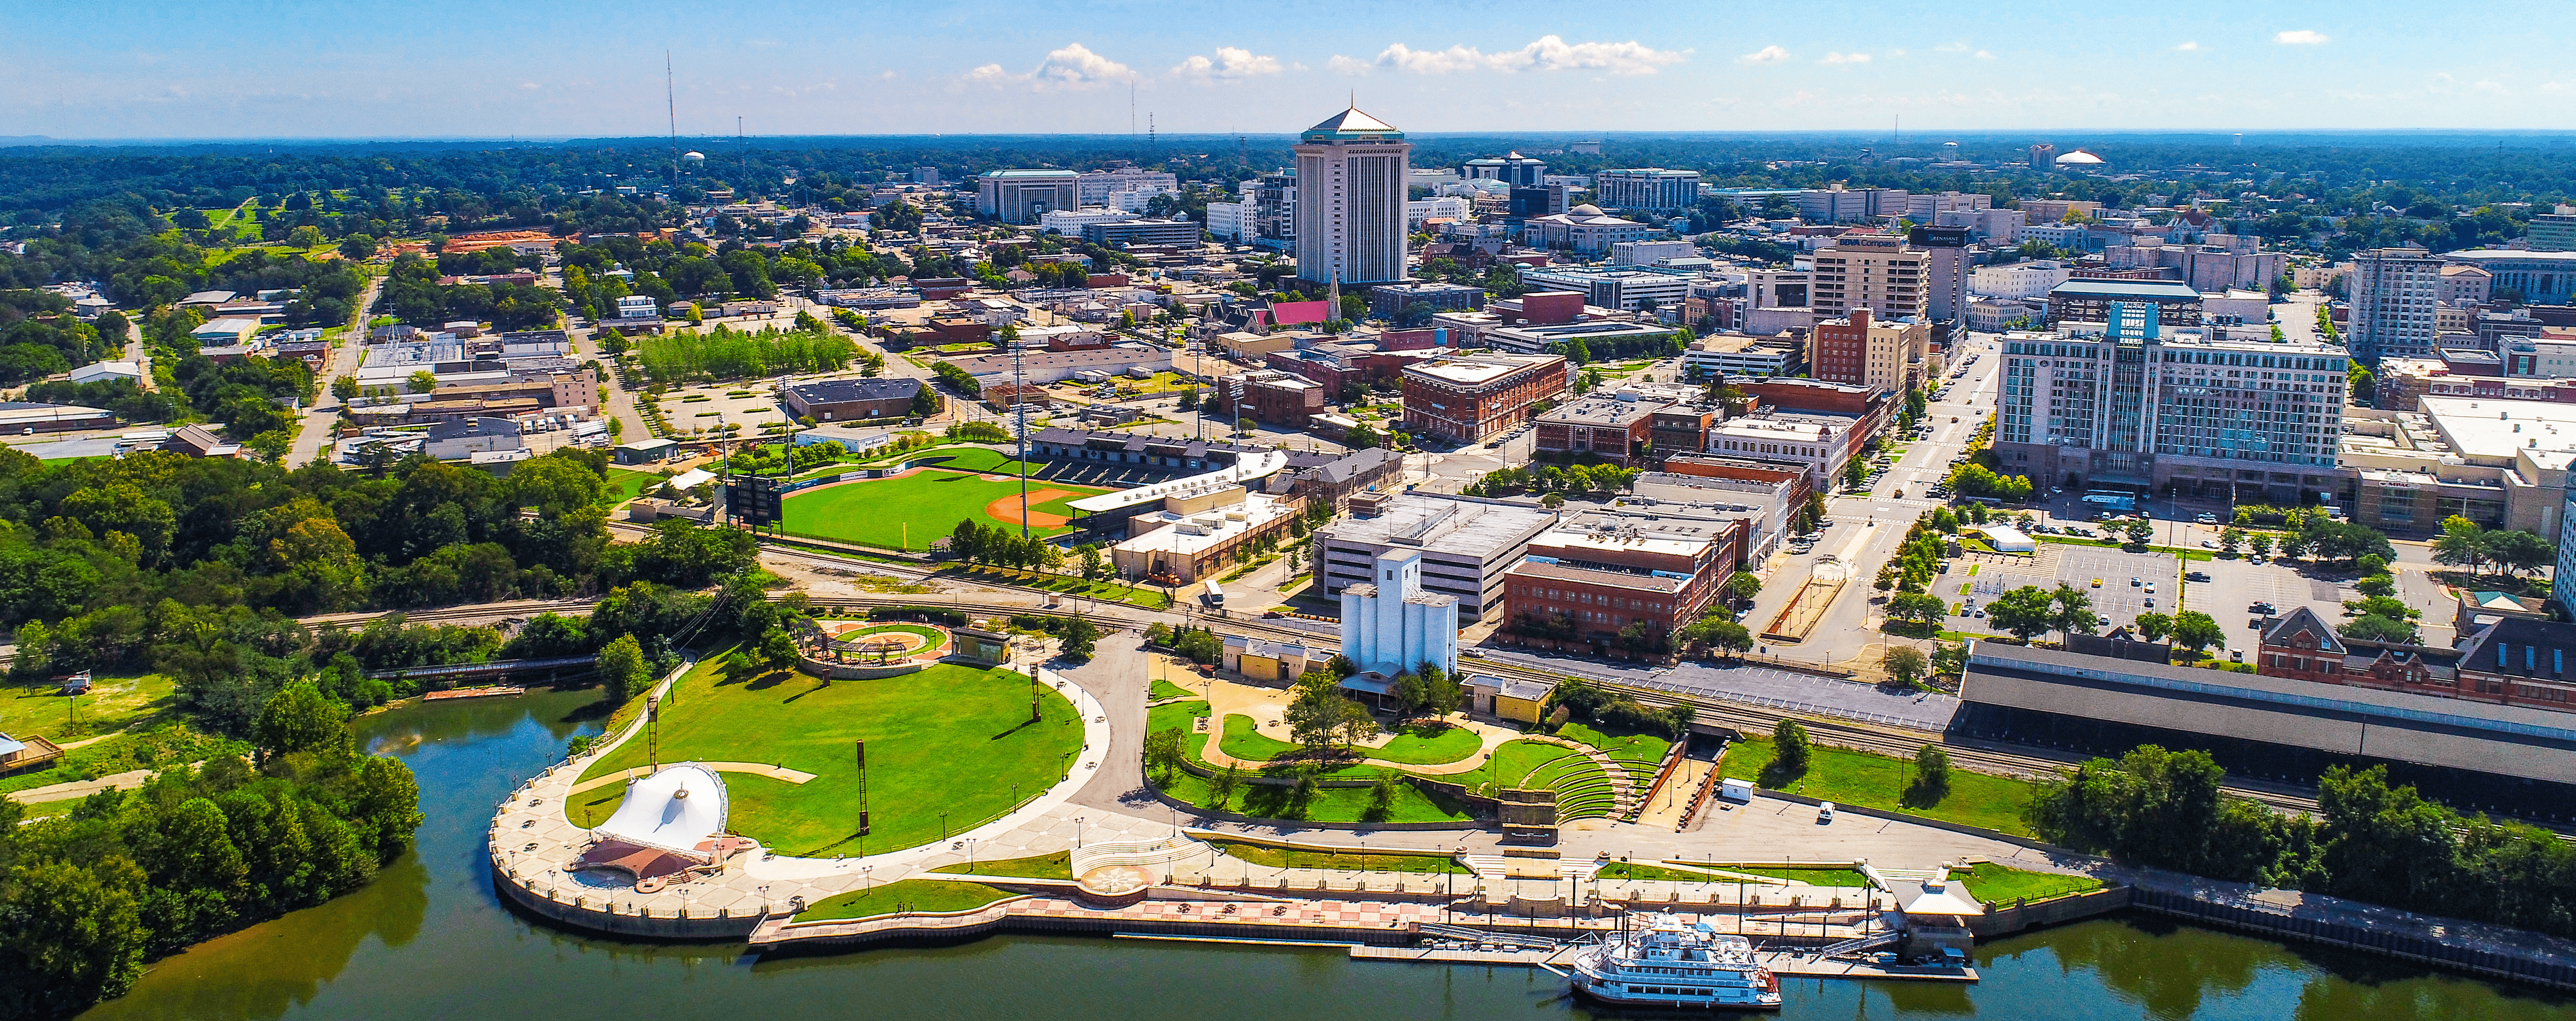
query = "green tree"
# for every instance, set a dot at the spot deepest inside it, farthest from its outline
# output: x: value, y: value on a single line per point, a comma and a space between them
x: 1854, y: 475
x: 421, y: 382
x: 2073, y: 611
x: 622, y: 673
x: 306, y: 237
x: 1905, y: 663
x: 2025, y: 613
x: 1931, y: 778
x: 359, y: 247
x: 2153, y: 625
x: 1163, y: 753
x: 1920, y: 608
x: 2196, y: 631
x: 1790, y: 754
x: 1742, y: 586
x: 75, y: 934
x: 301, y: 719
x: 1079, y: 637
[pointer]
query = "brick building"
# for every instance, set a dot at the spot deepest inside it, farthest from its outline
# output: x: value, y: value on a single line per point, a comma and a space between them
x: 1470, y: 398
x: 1269, y: 396
x: 1613, y: 430
x: 1602, y: 572
x: 847, y: 400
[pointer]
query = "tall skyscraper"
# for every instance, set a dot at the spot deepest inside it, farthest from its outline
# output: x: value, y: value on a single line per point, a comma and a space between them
x: 1945, y: 270
x: 1871, y: 271
x: 1351, y: 176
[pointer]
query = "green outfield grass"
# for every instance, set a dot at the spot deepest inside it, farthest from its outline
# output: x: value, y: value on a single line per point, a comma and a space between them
x: 876, y: 512
x: 948, y: 738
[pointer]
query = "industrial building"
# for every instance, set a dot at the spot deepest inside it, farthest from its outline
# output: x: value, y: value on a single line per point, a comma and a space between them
x: 1467, y: 543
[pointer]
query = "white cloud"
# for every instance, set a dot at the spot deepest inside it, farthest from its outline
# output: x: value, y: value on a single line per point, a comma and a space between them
x: 889, y: 75
x: 1231, y: 64
x: 1351, y: 66
x: 529, y: 86
x: 2187, y: 47
x: 1547, y: 53
x: 1896, y: 53
x: 1951, y: 48
x: 1846, y: 58
x: 1773, y: 54
x: 1985, y: 54
x: 1551, y: 53
x: 1071, y: 68
x: 2302, y: 37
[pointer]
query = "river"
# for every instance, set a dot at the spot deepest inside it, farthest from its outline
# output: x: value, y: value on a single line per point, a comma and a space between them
x: 430, y: 940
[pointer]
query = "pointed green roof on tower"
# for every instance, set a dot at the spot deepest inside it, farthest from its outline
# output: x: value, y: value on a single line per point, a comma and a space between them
x: 1351, y: 126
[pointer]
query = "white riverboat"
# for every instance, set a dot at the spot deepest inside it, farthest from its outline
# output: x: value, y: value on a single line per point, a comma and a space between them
x: 1658, y: 961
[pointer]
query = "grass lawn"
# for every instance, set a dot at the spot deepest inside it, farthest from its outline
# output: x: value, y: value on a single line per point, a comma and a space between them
x: 113, y: 703
x: 1165, y: 689
x: 949, y: 739
x: 1286, y: 858
x: 1876, y: 781
x: 1065, y: 584
x: 1644, y: 748
x: 1811, y: 877
x: 1994, y: 884
x: 1429, y: 746
x: 626, y: 483
x: 930, y: 503
x: 1250, y: 745
x: 1632, y: 870
x: 1330, y: 804
x: 1176, y: 715
x: 1045, y: 866
x: 904, y: 895
x: 1513, y: 762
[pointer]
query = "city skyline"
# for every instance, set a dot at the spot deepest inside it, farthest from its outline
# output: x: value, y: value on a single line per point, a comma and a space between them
x: 231, y: 70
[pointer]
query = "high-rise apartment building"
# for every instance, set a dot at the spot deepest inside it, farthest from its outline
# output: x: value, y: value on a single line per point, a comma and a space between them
x: 1351, y: 173
x: 2554, y: 231
x: 1021, y: 196
x: 1876, y: 272
x: 2394, y: 292
x: 2043, y: 156
x: 2124, y: 403
x: 1648, y: 189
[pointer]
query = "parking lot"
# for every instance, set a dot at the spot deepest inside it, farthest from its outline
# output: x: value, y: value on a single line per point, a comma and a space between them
x: 2117, y: 601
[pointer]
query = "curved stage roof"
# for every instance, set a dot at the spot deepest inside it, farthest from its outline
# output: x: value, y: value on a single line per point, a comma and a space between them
x: 674, y: 810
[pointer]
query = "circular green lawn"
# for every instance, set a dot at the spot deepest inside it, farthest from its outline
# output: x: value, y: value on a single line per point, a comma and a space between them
x: 947, y: 738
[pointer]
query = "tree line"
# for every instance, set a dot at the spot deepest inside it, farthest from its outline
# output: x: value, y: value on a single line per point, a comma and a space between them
x: 2371, y: 841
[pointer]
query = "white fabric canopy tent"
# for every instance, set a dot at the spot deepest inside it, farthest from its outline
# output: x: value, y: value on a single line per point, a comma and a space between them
x: 673, y: 810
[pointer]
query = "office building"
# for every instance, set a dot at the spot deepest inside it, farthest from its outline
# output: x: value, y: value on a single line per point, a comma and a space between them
x: 1945, y: 270
x: 1268, y: 396
x: 2562, y: 581
x: 1467, y: 544
x: 1601, y: 337
x: 1021, y: 196
x: 1852, y: 205
x: 1928, y: 207
x: 2466, y: 284
x: 1861, y: 350
x: 1391, y: 626
x: 2130, y: 404
x: 1351, y: 172
x: 1819, y: 445
x: 1613, y: 430
x: 1142, y: 232
x: 1470, y: 398
x: 1995, y: 315
x: 1647, y: 253
x: 2028, y: 279
x: 2394, y: 292
x: 1226, y: 221
x: 1099, y: 186
x: 1390, y: 301
x: 1627, y: 290
x: 1876, y: 272
x: 2553, y: 231
x: 1543, y: 200
x: 1273, y: 198
x: 1196, y: 534
x: 2501, y: 463
x: 2544, y: 277
x: 1513, y: 169
x: 1647, y: 189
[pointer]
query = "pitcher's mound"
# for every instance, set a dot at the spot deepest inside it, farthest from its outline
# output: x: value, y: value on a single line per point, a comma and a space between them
x: 1007, y: 509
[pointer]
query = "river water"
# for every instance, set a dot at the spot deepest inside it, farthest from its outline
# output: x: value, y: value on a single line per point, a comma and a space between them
x: 430, y: 940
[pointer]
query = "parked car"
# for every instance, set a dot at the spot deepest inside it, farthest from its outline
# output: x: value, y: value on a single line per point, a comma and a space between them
x: 2206, y: 519
x: 2263, y: 608
x: 2135, y: 582
x: 2196, y: 576
x: 1825, y: 813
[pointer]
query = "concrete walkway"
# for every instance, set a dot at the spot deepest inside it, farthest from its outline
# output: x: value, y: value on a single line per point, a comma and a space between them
x: 753, y: 768
x: 127, y: 781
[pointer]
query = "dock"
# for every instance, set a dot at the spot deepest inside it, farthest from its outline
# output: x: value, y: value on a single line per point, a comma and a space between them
x: 493, y: 691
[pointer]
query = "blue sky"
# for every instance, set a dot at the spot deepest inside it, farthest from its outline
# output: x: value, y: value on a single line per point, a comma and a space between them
x: 355, y: 68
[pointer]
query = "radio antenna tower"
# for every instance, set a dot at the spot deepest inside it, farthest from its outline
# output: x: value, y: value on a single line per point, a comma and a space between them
x: 671, y: 106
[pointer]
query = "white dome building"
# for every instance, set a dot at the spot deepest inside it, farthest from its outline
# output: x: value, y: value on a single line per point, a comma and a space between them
x: 2079, y: 158
x: 694, y: 156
